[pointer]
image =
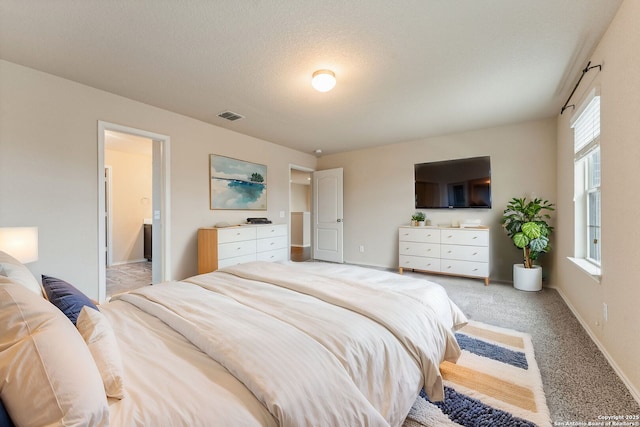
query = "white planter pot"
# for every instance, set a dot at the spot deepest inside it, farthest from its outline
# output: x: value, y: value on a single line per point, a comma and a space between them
x: 527, y: 279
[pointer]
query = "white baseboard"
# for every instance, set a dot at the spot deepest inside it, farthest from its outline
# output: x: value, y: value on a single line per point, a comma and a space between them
x: 115, y: 264
x: 300, y: 246
x: 375, y: 266
x: 585, y: 325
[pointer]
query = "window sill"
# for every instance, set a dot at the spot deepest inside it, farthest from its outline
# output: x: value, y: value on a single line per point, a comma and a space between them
x: 593, y: 271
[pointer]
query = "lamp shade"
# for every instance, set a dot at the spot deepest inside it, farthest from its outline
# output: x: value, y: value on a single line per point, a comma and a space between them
x: 20, y: 242
x: 323, y: 80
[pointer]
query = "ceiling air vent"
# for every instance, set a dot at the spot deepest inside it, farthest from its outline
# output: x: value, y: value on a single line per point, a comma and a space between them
x: 230, y: 115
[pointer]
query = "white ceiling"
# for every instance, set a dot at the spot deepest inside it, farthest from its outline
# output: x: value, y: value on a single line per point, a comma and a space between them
x: 406, y: 69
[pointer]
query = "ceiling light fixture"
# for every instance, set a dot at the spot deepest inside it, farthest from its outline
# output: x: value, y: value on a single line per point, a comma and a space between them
x: 323, y: 80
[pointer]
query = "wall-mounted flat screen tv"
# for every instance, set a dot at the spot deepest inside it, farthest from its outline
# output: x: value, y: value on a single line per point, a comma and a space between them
x: 459, y: 183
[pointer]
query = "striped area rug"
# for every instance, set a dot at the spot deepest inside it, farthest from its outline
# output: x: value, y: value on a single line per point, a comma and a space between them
x: 496, y: 382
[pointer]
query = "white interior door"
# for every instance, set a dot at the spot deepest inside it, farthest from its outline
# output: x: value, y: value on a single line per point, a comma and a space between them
x: 157, y: 196
x: 107, y: 215
x: 328, y: 219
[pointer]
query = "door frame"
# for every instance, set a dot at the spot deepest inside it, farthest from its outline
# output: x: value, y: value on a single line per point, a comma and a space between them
x: 161, y: 204
x: 293, y: 166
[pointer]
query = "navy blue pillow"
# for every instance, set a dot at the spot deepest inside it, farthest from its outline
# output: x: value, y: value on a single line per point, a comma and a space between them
x: 66, y: 297
x: 5, y: 421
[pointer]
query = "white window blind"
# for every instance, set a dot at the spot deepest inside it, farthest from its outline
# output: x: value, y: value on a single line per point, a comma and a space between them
x: 587, y: 128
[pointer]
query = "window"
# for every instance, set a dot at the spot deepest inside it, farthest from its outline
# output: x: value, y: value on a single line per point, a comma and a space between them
x: 586, y: 125
x: 593, y: 206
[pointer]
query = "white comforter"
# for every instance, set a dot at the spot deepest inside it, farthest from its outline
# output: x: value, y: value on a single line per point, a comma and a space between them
x: 288, y: 345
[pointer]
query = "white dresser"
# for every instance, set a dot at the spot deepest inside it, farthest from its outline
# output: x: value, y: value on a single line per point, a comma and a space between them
x: 455, y: 251
x: 221, y: 247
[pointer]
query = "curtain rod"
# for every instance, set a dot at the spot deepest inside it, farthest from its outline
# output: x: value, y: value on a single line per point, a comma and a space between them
x: 585, y: 71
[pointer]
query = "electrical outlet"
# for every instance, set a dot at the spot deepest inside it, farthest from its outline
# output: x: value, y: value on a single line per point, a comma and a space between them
x: 281, y: 214
x: 605, y: 313
x: 361, y: 248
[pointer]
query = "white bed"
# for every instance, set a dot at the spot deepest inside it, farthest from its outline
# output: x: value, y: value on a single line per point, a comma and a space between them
x: 269, y: 344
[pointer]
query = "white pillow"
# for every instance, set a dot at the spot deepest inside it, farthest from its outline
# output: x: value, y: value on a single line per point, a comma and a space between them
x: 18, y: 272
x: 47, y: 374
x: 101, y: 340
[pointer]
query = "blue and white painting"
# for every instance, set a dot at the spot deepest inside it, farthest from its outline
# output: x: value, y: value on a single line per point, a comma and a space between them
x: 236, y: 184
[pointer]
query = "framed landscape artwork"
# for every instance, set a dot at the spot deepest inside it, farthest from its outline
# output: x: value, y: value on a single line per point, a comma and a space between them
x: 236, y: 184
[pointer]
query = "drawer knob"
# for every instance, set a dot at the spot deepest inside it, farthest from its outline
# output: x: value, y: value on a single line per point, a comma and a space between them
x: 475, y: 237
x: 475, y: 253
x: 448, y: 252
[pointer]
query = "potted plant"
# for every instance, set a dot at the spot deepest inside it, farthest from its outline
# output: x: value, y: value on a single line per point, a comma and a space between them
x: 525, y: 222
x: 418, y: 218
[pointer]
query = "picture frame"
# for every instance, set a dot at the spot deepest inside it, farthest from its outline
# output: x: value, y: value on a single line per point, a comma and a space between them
x: 236, y: 184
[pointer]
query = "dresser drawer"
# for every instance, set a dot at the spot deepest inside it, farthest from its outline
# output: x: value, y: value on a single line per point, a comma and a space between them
x: 235, y: 249
x: 420, y: 249
x: 222, y: 247
x: 271, y: 243
x: 418, y: 234
x: 271, y: 230
x: 465, y: 237
x: 465, y: 253
x: 281, y: 254
x: 465, y: 268
x: 226, y: 262
x: 235, y: 234
x: 455, y: 251
x: 419, y: 263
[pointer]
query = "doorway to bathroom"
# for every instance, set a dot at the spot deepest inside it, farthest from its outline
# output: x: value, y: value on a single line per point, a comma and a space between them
x: 133, y: 208
x: 128, y: 200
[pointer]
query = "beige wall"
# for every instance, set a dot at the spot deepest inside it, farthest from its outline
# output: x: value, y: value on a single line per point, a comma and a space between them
x: 300, y: 214
x: 619, y: 84
x: 300, y: 197
x: 131, y: 187
x: 301, y: 229
x: 379, y: 193
x: 49, y: 177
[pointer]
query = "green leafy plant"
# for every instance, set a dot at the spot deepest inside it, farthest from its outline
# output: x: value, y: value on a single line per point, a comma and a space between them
x: 526, y: 224
x: 418, y: 216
